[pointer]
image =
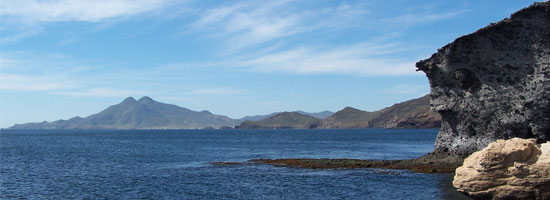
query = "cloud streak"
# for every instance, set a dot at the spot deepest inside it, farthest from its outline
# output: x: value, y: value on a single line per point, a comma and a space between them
x: 251, y: 23
x: 365, y: 59
x: 77, y: 10
x: 262, y: 36
x: 413, y: 19
x: 26, y: 18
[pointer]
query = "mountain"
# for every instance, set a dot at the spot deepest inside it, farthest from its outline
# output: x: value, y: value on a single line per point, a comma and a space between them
x: 258, y: 117
x: 281, y: 121
x: 415, y: 113
x: 347, y: 118
x: 320, y: 115
x: 145, y: 113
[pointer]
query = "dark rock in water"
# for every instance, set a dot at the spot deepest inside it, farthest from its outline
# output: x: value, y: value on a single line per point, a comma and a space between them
x: 424, y: 166
x: 493, y: 84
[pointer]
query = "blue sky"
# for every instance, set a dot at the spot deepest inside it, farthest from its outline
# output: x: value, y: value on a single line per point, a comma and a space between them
x: 66, y: 58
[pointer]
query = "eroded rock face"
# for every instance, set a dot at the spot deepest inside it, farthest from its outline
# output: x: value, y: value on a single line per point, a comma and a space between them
x: 507, y: 169
x: 493, y: 84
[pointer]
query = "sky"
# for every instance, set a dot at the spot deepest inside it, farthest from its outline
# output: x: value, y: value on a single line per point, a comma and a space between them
x: 66, y: 58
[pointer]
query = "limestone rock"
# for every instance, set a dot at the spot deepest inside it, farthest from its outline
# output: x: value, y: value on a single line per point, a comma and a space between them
x: 493, y: 84
x: 507, y: 169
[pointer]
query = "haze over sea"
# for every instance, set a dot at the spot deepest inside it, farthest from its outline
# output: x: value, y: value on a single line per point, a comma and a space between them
x: 159, y: 164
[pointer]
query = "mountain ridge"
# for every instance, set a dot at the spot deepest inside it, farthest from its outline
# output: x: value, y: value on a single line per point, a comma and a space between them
x: 415, y: 113
x: 146, y: 113
x: 320, y: 115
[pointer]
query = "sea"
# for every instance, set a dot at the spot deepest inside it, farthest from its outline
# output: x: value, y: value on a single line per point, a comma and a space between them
x: 177, y: 164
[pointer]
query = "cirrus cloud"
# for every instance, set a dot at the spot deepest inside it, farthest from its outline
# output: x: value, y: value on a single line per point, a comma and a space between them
x: 77, y: 10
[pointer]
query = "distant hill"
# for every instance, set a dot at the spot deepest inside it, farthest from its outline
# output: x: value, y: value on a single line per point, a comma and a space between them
x: 320, y: 115
x: 414, y: 113
x: 281, y: 121
x: 347, y: 118
x: 142, y: 114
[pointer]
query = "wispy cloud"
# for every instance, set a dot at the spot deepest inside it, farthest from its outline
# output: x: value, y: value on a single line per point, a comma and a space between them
x: 250, y: 23
x: 77, y: 10
x: 25, y: 18
x: 366, y: 59
x: 419, y: 18
x: 259, y: 36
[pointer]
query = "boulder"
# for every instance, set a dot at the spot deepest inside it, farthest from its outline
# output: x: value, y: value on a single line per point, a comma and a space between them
x: 493, y: 84
x: 507, y: 169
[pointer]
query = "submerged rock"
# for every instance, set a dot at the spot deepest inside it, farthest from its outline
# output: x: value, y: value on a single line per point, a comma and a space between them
x: 493, y: 84
x: 507, y: 169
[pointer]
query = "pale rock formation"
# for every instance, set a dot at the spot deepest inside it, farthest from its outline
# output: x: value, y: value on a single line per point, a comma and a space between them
x: 507, y: 169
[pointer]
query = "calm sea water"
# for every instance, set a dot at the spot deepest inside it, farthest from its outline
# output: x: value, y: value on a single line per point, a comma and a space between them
x: 175, y: 164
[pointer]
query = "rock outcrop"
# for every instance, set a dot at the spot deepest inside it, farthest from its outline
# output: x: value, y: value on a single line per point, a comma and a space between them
x: 493, y: 84
x: 507, y: 169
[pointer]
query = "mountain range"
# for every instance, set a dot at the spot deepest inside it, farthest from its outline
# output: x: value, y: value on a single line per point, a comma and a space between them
x: 319, y: 115
x: 147, y: 113
x: 414, y: 113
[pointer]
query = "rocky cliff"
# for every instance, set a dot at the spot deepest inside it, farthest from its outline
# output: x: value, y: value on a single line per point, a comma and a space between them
x: 493, y: 84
